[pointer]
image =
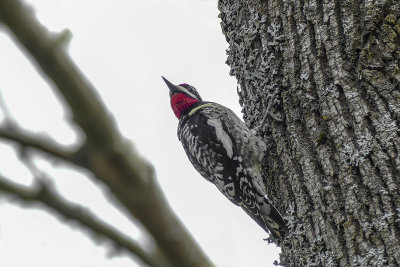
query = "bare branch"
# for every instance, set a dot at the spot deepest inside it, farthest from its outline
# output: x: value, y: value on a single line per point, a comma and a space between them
x: 44, y: 194
x: 129, y: 177
x: 3, y: 107
x: 40, y: 143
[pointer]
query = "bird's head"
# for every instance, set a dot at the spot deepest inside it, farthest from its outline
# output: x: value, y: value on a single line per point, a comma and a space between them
x: 182, y: 96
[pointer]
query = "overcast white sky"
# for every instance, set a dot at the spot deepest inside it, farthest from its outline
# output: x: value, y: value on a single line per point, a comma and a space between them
x: 124, y: 47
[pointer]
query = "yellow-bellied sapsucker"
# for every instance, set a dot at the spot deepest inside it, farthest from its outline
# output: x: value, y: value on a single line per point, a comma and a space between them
x: 225, y: 152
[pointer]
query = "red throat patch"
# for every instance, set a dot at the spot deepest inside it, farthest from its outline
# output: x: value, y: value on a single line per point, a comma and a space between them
x: 180, y: 102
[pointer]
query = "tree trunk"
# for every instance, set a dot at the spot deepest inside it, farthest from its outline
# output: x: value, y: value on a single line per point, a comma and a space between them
x: 331, y: 71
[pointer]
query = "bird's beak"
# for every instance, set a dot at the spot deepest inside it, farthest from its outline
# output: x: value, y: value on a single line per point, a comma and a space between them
x: 172, y: 88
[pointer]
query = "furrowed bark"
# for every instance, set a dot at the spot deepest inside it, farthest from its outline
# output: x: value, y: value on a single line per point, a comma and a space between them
x: 333, y: 166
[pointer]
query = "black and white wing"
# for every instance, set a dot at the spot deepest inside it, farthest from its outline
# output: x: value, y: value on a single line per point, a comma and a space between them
x: 225, y: 152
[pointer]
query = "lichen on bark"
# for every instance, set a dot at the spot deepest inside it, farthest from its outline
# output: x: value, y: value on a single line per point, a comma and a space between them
x: 333, y: 162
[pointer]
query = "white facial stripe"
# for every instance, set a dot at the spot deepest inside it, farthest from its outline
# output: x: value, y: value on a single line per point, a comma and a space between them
x: 183, y: 89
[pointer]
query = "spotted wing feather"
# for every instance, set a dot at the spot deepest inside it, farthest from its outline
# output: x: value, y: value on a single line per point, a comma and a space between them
x: 225, y: 152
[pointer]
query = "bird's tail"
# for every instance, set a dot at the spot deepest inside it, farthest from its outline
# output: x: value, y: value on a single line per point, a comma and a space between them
x: 273, y: 220
x: 269, y: 218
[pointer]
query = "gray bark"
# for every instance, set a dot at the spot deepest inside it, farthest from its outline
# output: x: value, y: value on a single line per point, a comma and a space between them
x: 331, y: 70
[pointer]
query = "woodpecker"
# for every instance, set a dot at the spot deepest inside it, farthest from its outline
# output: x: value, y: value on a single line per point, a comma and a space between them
x: 226, y: 153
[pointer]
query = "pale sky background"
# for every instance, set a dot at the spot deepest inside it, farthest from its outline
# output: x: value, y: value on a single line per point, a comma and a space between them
x: 123, y: 47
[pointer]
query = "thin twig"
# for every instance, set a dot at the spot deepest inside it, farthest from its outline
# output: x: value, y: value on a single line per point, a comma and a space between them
x: 44, y: 194
x: 39, y: 143
x: 3, y: 107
